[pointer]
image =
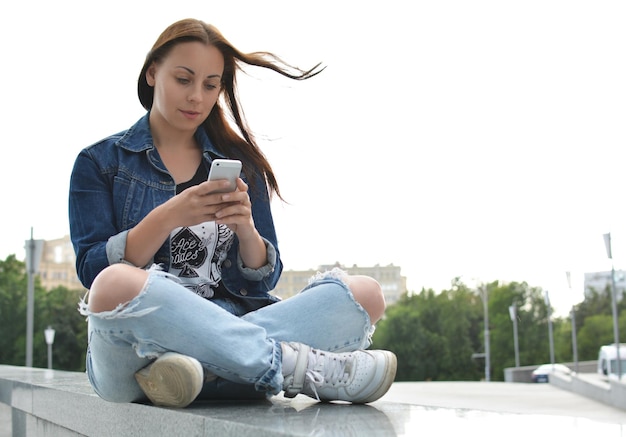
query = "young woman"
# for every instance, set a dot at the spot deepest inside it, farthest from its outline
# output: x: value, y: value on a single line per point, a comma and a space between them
x: 179, y: 274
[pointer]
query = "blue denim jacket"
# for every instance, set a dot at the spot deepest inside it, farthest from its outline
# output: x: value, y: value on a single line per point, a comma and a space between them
x: 116, y: 182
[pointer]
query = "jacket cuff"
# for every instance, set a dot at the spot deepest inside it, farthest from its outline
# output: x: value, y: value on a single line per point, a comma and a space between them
x: 116, y: 248
x: 263, y: 271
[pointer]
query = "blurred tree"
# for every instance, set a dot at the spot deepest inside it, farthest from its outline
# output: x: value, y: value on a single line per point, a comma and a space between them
x: 13, y: 286
x: 532, y: 326
x: 595, y: 303
x: 563, y: 344
x: 59, y: 310
x: 459, y: 311
x: 403, y: 333
x: 593, y: 330
x: 56, y: 308
x: 502, y: 345
x: 596, y: 331
x: 433, y: 335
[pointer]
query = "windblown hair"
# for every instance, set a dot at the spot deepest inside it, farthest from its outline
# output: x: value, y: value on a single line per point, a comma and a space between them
x: 237, y: 145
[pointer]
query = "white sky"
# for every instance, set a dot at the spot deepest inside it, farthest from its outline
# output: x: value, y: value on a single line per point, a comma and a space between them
x: 481, y: 139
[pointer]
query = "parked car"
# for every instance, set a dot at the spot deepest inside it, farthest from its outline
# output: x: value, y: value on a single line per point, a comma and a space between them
x: 542, y: 373
x: 607, y: 360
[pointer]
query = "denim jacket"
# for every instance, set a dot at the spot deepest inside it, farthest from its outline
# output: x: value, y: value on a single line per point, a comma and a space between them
x: 116, y: 182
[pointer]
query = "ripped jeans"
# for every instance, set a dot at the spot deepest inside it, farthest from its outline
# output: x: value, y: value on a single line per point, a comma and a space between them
x: 242, y: 350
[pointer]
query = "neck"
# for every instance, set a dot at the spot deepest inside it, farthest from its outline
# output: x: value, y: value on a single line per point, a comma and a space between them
x: 165, y: 137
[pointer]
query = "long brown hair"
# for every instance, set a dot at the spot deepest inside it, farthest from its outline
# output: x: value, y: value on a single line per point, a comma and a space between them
x: 240, y: 145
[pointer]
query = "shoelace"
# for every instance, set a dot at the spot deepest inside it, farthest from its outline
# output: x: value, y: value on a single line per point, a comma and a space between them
x: 323, y: 368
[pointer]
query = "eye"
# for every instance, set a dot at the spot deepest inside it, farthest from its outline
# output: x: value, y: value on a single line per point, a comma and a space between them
x: 182, y: 80
x: 210, y: 86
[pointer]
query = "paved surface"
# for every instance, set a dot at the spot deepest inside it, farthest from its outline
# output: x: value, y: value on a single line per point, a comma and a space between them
x: 418, y: 409
x: 501, y: 397
x: 463, y: 409
x: 498, y: 408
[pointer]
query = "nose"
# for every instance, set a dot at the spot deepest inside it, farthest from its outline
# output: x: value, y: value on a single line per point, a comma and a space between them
x: 195, y: 94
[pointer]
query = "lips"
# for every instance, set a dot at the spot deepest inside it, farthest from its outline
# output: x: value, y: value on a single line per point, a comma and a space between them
x: 190, y: 114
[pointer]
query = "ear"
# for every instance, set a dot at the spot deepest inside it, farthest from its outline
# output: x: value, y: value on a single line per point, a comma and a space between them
x: 150, y: 75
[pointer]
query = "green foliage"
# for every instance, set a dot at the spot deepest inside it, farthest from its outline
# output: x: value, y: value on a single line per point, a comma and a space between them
x: 594, y: 322
x: 597, y: 330
x: 13, y: 286
x: 435, y: 334
x: 429, y: 334
x: 59, y: 310
x: 56, y: 308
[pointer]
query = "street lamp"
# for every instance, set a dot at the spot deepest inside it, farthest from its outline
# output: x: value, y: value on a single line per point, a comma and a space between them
x: 609, y: 252
x: 49, y: 334
x: 573, y: 315
x: 33, y: 255
x: 550, y: 334
x: 513, y: 314
x: 484, y: 295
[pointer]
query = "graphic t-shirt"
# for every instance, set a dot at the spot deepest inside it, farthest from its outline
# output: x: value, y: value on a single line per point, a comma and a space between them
x: 197, y: 252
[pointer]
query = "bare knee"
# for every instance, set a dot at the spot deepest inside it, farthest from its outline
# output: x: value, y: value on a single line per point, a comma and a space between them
x: 368, y: 292
x: 116, y: 284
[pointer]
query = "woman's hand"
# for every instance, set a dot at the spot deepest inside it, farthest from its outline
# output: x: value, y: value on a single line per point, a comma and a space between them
x: 197, y: 204
x: 236, y: 211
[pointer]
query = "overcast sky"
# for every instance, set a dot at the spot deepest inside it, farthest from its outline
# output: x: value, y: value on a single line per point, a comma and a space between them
x: 480, y: 139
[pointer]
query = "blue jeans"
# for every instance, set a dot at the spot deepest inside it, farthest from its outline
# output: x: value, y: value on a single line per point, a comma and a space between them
x: 242, y: 350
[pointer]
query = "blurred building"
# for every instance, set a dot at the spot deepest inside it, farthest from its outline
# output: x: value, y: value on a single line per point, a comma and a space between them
x: 601, y: 282
x: 389, y: 277
x: 58, y: 268
x: 58, y: 265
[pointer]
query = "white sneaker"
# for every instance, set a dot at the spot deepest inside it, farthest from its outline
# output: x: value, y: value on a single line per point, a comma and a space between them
x: 173, y: 380
x: 359, y: 377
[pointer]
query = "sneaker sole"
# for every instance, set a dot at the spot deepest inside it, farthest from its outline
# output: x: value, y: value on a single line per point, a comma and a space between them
x: 173, y: 380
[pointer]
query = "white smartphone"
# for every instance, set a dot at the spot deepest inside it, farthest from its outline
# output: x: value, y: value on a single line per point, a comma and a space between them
x: 228, y: 169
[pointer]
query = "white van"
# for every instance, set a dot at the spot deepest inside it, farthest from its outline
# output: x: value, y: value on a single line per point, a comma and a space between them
x: 607, y: 360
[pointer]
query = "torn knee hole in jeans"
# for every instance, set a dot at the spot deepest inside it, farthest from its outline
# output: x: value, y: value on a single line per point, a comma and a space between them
x: 123, y: 310
x: 335, y: 273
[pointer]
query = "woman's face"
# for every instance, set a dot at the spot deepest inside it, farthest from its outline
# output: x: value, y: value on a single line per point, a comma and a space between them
x: 186, y: 85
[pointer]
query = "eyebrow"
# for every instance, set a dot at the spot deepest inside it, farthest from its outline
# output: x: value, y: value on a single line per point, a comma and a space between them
x: 210, y: 76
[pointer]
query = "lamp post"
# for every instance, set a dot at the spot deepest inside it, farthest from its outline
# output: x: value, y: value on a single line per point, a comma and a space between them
x: 550, y: 334
x: 609, y: 253
x: 513, y: 314
x: 484, y: 294
x: 49, y: 334
x: 573, y: 316
x: 33, y: 255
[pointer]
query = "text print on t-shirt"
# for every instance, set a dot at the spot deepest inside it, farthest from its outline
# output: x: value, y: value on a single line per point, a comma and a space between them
x: 197, y: 255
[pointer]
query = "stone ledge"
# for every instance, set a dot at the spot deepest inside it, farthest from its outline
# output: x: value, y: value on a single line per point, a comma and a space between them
x: 39, y: 402
x: 56, y: 403
x: 593, y: 386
